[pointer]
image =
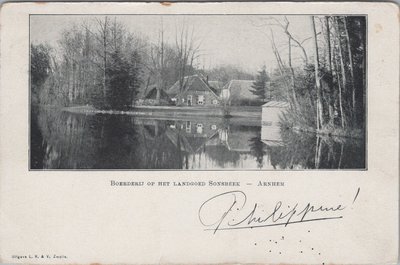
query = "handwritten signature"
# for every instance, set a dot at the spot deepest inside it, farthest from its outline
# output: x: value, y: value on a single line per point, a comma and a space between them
x: 227, y: 211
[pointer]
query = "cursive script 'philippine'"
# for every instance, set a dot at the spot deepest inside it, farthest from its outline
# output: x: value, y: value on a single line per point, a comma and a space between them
x: 228, y: 211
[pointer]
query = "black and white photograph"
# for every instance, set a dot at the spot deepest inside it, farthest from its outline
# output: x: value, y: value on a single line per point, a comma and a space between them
x: 199, y: 133
x: 198, y: 92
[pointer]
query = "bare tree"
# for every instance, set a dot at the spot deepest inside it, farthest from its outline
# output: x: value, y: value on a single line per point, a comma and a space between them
x: 187, y: 51
x: 157, y: 55
x: 317, y: 76
x: 331, y: 104
x: 292, y: 41
x: 343, y: 71
x: 353, y: 90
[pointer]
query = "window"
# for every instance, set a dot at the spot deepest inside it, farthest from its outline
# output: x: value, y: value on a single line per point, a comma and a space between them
x: 188, y: 127
x: 200, y: 100
x: 199, y: 128
x: 189, y: 100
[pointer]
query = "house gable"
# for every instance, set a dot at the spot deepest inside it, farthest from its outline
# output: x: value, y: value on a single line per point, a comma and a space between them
x: 152, y: 94
x: 196, y: 91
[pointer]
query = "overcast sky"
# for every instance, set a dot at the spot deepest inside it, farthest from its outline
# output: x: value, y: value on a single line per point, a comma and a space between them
x: 226, y: 39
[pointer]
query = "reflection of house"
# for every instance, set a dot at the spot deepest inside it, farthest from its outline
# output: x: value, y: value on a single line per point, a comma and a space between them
x: 239, y: 93
x: 271, y: 115
x: 195, y: 133
x: 193, y: 91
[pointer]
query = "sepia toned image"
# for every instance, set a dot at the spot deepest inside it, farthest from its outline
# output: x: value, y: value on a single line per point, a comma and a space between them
x: 198, y: 92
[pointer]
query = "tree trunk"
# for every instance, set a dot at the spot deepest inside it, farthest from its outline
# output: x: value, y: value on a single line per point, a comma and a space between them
x: 353, y: 90
x: 162, y: 77
x: 340, y: 95
x: 317, y: 78
x: 343, y: 70
x: 330, y: 81
x: 296, y: 105
x: 280, y: 65
x: 105, y: 58
x: 318, y: 149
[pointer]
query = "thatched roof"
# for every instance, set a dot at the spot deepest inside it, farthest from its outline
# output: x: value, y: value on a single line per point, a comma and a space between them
x: 152, y: 94
x: 193, y: 82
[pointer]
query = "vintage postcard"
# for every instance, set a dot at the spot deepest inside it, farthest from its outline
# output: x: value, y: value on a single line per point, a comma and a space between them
x: 199, y: 133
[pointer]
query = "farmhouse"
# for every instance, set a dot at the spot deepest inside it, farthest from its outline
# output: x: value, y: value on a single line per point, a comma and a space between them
x: 239, y: 93
x: 195, y: 91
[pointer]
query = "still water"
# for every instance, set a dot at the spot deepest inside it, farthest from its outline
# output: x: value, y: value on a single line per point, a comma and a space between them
x: 63, y: 140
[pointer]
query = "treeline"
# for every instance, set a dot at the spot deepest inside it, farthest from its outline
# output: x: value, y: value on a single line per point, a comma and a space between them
x: 226, y: 73
x: 100, y: 62
x: 97, y: 64
x: 328, y: 90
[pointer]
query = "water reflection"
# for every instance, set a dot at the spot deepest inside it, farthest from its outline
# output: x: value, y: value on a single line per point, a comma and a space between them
x: 62, y: 140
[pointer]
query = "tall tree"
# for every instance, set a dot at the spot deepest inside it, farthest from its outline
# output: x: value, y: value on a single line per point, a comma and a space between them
x: 331, y: 103
x: 158, y: 57
x: 317, y: 76
x: 103, y: 32
x: 187, y: 52
x: 350, y: 53
x: 40, y: 68
x: 260, y: 84
x: 123, y: 75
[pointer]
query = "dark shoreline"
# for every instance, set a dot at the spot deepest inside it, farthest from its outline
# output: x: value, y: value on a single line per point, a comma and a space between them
x: 246, y: 113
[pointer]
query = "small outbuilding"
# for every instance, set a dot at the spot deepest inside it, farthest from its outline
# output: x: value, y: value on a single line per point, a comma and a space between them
x: 270, y: 127
x: 272, y: 111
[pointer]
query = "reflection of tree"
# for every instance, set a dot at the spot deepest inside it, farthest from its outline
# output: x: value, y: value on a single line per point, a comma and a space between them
x: 38, y: 146
x: 158, y: 152
x: 64, y: 140
x: 69, y: 139
x: 221, y: 155
x: 257, y: 148
x: 102, y: 141
x: 118, y: 143
x: 302, y: 150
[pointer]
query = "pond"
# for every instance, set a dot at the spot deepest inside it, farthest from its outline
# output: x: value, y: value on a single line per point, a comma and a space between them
x: 63, y: 140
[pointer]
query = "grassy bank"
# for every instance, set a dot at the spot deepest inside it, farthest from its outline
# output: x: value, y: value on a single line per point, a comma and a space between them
x: 332, y: 131
x: 253, y: 113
